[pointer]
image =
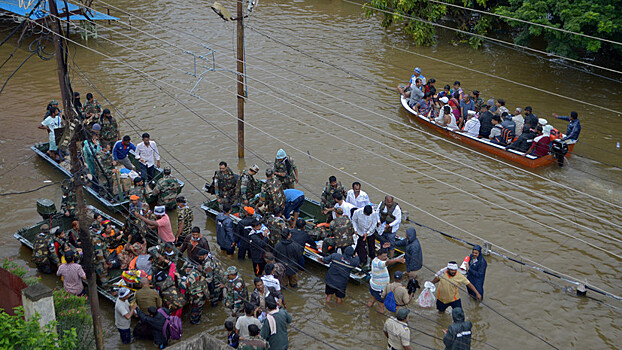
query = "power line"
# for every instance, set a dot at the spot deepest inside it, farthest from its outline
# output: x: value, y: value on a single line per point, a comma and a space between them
x: 527, y: 22
x: 28, y: 191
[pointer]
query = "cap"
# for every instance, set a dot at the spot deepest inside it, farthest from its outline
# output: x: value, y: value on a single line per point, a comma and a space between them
x: 269, y: 172
x: 542, y: 121
x: 134, y: 197
x: 96, y: 127
x: 281, y: 154
x: 123, y: 292
x: 232, y: 270
x: 249, y: 210
x: 418, y: 70
x: 166, y: 170
x: 471, y: 112
x: 45, y: 228
x: 444, y: 99
x: 398, y: 275
x: 255, y: 168
x: 159, y: 210
x: 339, y: 210
x: 402, y: 313
x: 491, y: 102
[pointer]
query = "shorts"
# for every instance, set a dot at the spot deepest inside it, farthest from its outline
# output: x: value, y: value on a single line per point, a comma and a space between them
x: 330, y: 291
x: 440, y: 306
x: 229, y: 251
x: 376, y: 294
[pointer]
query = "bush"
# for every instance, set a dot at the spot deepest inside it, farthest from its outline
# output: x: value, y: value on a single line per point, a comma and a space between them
x: 20, y: 272
x: 73, y: 314
x: 18, y: 334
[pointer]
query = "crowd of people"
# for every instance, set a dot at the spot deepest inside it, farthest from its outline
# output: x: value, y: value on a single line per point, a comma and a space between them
x: 491, y: 121
x: 269, y: 232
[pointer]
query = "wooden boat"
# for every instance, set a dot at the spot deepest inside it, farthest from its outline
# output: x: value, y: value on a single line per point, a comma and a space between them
x: 485, y: 145
x: 117, y: 205
x: 312, y: 214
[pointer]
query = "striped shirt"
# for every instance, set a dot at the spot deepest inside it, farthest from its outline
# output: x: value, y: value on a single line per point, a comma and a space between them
x: 379, y: 275
x: 72, y: 277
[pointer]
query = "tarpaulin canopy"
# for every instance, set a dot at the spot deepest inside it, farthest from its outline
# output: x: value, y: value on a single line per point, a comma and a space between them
x: 24, y: 7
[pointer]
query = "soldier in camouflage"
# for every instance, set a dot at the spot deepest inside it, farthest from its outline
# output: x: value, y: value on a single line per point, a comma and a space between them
x: 272, y: 193
x: 285, y: 169
x: 212, y: 269
x: 138, y: 190
x: 196, y: 291
x: 163, y: 257
x: 109, y: 133
x: 254, y: 341
x: 92, y: 109
x: 171, y: 296
x: 69, y: 204
x: 277, y: 225
x: 100, y: 257
x: 328, y: 201
x: 184, y: 220
x: 44, y: 251
x: 235, y: 292
x: 167, y: 189
x: 104, y: 171
x: 248, y: 186
x: 225, y: 184
x: 341, y: 228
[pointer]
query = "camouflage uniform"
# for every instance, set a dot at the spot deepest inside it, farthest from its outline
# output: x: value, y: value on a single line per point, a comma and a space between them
x: 104, y: 173
x: 167, y: 189
x: 109, y: 131
x: 213, y: 273
x: 158, y: 265
x: 171, y: 296
x: 225, y: 185
x: 196, y: 291
x: 186, y: 216
x: 280, y: 167
x: 341, y: 228
x: 236, y: 295
x: 254, y: 343
x: 327, y: 195
x: 276, y: 225
x: 247, y: 187
x: 100, y: 257
x: 138, y: 191
x: 44, y: 253
x: 69, y: 203
x: 272, y: 194
x: 92, y: 107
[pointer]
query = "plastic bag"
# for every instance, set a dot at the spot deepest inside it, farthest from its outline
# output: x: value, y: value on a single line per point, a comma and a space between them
x: 427, y: 298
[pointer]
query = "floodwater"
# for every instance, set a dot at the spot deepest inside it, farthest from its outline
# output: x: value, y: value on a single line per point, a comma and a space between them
x: 321, y: 82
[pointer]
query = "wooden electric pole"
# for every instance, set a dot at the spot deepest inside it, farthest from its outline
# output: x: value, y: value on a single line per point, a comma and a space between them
x: 241, y: 94
x: 78, y: 178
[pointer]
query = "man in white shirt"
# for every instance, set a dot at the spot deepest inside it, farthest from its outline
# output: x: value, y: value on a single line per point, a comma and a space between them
x: 149, y: 157
x: 389, y: 213
x: 345, y: 206
x: 356, y: 197
x: 471, y: 127
x: 365, y: 221
x: 518, y: 119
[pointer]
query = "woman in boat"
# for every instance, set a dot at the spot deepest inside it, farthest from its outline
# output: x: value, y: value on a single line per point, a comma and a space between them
x: 454, y: 103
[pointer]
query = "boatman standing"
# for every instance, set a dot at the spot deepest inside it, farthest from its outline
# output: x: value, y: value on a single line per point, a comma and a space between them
x: 574, y: 127
x: 285, y: 169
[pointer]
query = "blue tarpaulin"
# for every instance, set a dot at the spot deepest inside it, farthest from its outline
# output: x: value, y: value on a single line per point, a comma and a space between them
x: 24, y: 7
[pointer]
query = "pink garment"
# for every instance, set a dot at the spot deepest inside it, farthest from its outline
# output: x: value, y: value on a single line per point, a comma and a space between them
x: 165, y: 232
x: 171, y: 271
x: 72, y: 277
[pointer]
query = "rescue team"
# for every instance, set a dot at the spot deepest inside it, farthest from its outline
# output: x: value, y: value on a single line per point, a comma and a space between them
x: 270, y: 233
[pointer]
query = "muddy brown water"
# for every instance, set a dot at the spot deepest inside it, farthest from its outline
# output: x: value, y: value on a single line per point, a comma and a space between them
x: 327, y: 117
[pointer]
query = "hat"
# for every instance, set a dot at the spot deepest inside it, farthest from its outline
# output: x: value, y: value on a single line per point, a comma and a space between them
x: 249, y: 210
x: 398, y: 275
x: 123, y: 292
x: 134, y: 197
x: 281, y: 154
x: 166, y: 170
x: 255, y: 168
x: 339, y: 210
x: 202, y: 252
x: 402, y: 313
x: 452, y: 266
x: 542, y: 121
x: 181, y: 199
x: 232, y: 270
x: 269, y: 172
x: 418, y: 70
x: 491, y: 102
x: 53, y: 102
x: 45, y: 228
x: 546, y: 130
x: 349, y: 251
x: 96, y: 127
x: 444, y: 99
x: 159, y: 210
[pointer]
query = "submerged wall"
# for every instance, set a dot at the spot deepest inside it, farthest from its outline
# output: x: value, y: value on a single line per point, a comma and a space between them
x: 200, y: 342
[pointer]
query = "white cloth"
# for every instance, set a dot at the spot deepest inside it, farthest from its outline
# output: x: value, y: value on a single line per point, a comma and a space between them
x: 271, y: 281
x: 148, y: 153
x: 397, y: 213
x: 52, y: 123
x: 363, y: 223
x: 471, y: 127
x: 520, y: 123
x: 360, y: 201
x: 347, y: 208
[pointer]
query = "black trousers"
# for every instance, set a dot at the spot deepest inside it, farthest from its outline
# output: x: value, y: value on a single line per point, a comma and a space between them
x: 366, y: 247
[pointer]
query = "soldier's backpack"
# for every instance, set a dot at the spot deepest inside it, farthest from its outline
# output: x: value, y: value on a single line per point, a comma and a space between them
x: 39, y: 249
x: 172, y: 326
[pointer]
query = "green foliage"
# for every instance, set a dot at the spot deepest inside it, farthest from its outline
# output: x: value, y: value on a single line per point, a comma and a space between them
x: 21, y: 272
x: 73, y: 314
x: 18, y: 334
x: 599, y: 18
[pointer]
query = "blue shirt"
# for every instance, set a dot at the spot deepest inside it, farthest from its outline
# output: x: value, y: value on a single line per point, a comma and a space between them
x: 120, y: 151
x: 466, y: 106
x: 573, y: 130
x: 292, y: 194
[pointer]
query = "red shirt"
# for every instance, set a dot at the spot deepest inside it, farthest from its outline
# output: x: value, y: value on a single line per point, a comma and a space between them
x: 165, y: 232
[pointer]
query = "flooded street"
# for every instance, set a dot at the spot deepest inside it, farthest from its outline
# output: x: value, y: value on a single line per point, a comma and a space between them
x: 321, y: 85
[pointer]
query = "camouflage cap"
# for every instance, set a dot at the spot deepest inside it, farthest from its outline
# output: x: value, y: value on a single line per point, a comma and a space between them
x: 232, y: 270
x: 339, y: 210
x: 167, y: 170
x: 269, y: 172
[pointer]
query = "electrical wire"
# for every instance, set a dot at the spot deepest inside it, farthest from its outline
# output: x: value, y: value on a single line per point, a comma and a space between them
x: 28, y: 191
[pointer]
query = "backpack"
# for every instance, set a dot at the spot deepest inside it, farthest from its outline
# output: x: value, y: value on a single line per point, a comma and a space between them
x: 389, y: 302
x: 506, y: 137
x: 172, y: 325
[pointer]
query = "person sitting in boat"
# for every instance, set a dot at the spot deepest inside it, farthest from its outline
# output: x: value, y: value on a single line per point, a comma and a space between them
x: 574, y: 127
x: 540, y: 145
x: 449, y: 120
x: 445, y: 93
x: 508, y: 122
x: 429, y: 87
x: 425, y: 106
x: 454, y: 102
x: 531, y: 120
x: 501, y: 108
x: 485, y: 121
x: 518, y: 119
x: 457, y: 90
x: 466, y: 105
x: 477, y: 101
x: 406, y: 90
x: 499, y: 134
x: 472, y: 125
x: 416, y: 93
x: 51, y: 123
x: 523, y: 143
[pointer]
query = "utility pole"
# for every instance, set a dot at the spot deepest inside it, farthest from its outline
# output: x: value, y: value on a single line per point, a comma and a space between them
x: 241, y: 95
x: 78, y: 179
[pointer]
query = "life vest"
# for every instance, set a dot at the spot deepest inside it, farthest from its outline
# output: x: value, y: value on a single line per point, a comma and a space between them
x: 555, y: 134
x: 506, y: 137
x: 388, y: 216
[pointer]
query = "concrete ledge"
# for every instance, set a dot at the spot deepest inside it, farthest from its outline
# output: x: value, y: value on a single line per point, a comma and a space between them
x: 37, y: 292
x: 199, y: 342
